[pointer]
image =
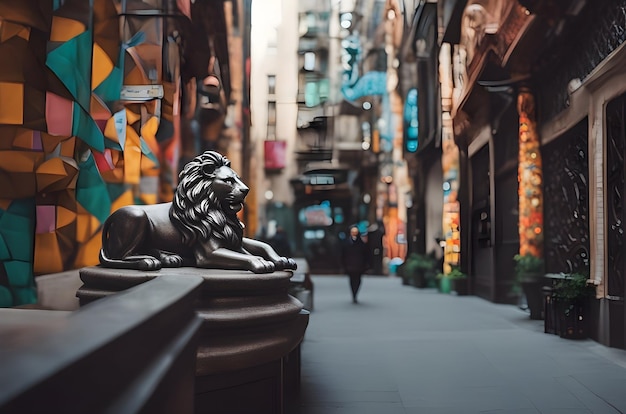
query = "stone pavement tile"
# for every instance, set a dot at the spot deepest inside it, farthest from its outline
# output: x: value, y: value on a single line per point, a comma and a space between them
x: 351, y: 408
x: 472, y: 400
x: 548, y: 394
x: 610, y: 387
x: 403, y: 350
x: 466, y: 410
x: 593, y: 402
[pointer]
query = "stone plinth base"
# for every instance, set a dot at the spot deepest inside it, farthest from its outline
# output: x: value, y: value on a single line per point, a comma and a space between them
x: 249, y: 340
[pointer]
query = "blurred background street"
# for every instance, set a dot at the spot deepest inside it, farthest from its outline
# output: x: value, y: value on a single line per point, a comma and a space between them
x: 407, y: 351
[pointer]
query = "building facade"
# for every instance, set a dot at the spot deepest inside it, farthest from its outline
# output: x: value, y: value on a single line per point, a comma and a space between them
x: 538, y: 124
x: 100, y: 103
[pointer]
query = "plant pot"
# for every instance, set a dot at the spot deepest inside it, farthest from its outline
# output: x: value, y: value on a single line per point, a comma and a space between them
x: 532, y: 289
x: 571, y: 321
x: 445, y: 285
x: 460, y: 286
x: 419, y: 278
x: 550, y: 315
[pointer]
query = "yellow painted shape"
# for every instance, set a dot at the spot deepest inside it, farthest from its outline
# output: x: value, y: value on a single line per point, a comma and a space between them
x: 48, y: 257
x: 101, y: 66
x: 148, y: 133
x: 148, y: 198
x: 109, y: 130
x: 67, y: 147
x: 148, y: 167
x: 87, y: 254
x: 63, y: 29
x: 11, y: 103
x: 19, y: 161
x: 126, y: 199
x: 132, y: 157
x: 53, y: 166
x: 50, y: 142
x: 49, y: 173
x: 131, y: 117
x: 135, y: 77
x: 83, y: 223
x: 23, y: 139
x: 65, y: 217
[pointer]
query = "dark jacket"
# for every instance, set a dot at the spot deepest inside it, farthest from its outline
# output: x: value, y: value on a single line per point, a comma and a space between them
x: 355, y: 256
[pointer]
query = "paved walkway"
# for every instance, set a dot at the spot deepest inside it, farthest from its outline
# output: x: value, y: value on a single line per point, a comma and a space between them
x: 403, y: 350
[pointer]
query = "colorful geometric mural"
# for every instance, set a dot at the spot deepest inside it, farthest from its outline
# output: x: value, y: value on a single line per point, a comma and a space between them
x: 73, y: 147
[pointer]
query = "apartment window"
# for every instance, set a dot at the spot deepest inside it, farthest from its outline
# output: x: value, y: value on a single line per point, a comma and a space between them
x: 271, y: 120
x: 271, y: 84
x: 309, y: 61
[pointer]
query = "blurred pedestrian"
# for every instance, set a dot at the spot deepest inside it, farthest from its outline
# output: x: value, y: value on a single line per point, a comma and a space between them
x: 355, y: 257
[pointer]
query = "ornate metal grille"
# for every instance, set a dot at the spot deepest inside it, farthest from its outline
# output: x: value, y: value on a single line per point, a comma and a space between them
x: 615, y: 152
x: 597, y: 34
x: 566, y: 202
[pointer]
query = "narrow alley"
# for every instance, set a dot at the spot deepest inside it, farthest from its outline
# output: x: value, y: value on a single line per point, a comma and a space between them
x: 403, y: 350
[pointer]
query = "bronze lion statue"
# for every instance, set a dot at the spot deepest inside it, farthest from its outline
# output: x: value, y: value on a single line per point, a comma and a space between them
x: 199, y: 228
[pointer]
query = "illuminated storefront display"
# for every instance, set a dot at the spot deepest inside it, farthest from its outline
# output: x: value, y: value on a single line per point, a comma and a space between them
x: 530, y: 179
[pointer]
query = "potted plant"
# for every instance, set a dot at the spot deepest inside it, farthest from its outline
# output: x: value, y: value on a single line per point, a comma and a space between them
x: 529, y: 276
x: 455, y: 280
x: 570, y: 295
x: 459, y: 281
x: 417, y: 268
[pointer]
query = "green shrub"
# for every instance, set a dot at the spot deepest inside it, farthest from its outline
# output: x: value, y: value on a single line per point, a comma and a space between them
x: 528, y: 267
x: 574, y: 286
x: 455, y: 273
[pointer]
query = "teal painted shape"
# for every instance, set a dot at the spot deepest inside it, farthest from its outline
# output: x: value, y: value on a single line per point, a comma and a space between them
x: 110, y: 88
x: 91, y: 190
x: 116, y: 190
x: 112, y: 145
x: 20, y: 273
x: 71, y: 62
x: 17, y: 228
x: 145, y: 149
x: 6, y: 298
x: 24, y: 295
x: 85, y: 128
x: 4, y: 249
x: 17, y: 233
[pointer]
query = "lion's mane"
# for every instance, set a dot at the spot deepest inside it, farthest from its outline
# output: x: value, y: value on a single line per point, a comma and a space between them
x: 196, y: 211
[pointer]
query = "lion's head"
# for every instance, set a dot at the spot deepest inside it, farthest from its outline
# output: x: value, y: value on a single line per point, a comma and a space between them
x: 207, y: 199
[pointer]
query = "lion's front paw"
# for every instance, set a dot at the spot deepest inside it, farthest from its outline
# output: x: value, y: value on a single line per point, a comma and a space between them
x: 291, y: 264
x: 286, y: 264
x: 171, y: 260
x: 260, y: 265
x: 148, y: 263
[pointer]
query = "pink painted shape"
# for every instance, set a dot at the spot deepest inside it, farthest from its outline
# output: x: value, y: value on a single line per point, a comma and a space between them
x: 46, y: 219
x: 59, y: 113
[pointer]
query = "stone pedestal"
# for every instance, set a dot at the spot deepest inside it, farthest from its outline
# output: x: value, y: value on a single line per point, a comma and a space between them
x: 129, y: 353
x: 249, y: 339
